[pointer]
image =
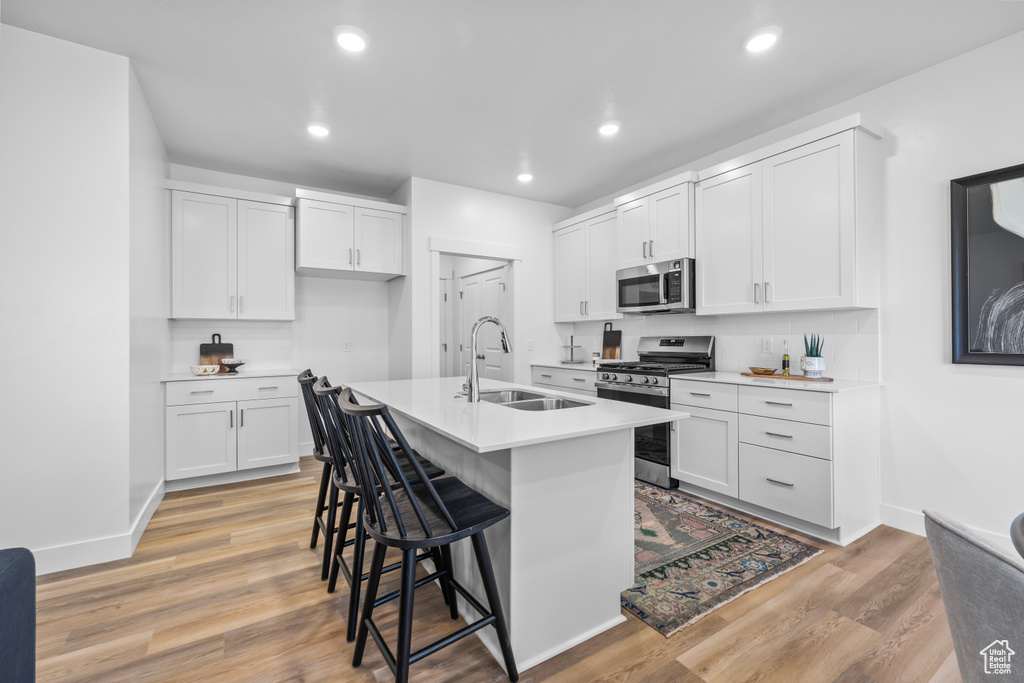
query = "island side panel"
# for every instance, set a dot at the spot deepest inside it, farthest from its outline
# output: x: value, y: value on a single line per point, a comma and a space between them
x: 572, y: 541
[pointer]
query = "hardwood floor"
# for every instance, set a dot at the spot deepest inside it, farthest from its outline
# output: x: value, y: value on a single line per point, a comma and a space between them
x: 223, y: 587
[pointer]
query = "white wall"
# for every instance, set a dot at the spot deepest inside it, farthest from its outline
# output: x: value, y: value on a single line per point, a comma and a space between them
x: 441, y: 210
x: 149, y: 337
x: 950, y: 436
x: 64, y: 212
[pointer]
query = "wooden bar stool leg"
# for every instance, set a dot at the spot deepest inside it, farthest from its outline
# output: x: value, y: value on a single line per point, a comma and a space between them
x: 325, y: 479
x: 376, y: 565
x: 405, y: 603
x: 483, y: 560
x: 358, y: 551
x: 446, y: 556
x: 346, y: 516
x: 332, y: 516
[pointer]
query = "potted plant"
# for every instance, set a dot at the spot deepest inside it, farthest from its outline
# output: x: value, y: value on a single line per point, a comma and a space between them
x: 811, y: 362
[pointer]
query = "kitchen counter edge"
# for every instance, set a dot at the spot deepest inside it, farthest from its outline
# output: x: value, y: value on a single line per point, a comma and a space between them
x: 778, y: 382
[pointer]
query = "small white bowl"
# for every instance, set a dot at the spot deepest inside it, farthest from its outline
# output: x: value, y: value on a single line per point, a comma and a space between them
x: 205, y: 369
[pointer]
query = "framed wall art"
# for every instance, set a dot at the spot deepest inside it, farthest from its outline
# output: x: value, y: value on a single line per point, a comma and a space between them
x: 987, y: 230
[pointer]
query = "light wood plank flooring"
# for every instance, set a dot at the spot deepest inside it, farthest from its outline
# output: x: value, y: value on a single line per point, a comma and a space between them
x: 223, y: 587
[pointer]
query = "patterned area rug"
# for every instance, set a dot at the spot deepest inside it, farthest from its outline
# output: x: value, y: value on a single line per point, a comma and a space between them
x: 691, y: 558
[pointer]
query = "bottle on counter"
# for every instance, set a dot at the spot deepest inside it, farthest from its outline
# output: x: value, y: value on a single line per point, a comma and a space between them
x: 785, y: 357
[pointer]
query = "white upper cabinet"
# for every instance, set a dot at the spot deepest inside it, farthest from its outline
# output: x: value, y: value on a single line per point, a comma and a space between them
x: 230, y: 258
x: 357, y: 240
x: 585, y: 261
x: 797, y: 230
x: 655, y: 223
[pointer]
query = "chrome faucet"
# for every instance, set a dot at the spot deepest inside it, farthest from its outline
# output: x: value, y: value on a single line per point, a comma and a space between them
x: 472, y: 385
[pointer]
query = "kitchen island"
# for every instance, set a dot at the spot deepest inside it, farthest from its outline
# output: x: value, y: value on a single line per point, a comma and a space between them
x: 566, y: 553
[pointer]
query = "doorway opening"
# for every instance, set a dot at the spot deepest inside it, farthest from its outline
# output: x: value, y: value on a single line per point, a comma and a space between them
x: 471, y: 288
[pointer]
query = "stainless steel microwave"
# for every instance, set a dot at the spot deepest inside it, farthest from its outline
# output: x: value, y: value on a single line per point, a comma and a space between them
x: 666, y: 287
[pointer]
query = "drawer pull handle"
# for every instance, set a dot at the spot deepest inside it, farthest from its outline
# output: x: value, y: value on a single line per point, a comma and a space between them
x: 697, y: 393
x: 776, y: 481
x: 268, y: 388
x: 204, y: 391
x: 578, y: 379
x: 777, y: 403
x: 781, y: 436
x: 548, y: 376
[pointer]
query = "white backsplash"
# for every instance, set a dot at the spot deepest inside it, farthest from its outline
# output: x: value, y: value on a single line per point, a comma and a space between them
x: 851, y: 338
x: 262, y: 345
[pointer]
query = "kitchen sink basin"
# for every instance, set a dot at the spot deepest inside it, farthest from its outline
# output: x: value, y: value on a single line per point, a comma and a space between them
x: 546, y: 403
x: 509, y: 395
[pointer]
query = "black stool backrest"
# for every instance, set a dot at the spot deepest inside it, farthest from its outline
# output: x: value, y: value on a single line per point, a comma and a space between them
x: 306, y: 381
x: 336, y: 429
x: 381, y: 475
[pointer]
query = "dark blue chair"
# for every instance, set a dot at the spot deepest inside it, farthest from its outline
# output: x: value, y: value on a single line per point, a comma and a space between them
x: 17, y: 616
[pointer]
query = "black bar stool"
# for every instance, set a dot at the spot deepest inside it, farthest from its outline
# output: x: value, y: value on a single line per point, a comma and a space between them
x: 344, y: 479
x: 411, y: 515
x: 320, y: 525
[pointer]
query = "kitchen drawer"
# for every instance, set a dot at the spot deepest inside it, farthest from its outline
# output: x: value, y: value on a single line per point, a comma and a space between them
x: 690, y: 392
x: 580, y: 380
x: 240, y: 389
x: 789, y: 483
x: 788, y: 404
x: 787, y: 435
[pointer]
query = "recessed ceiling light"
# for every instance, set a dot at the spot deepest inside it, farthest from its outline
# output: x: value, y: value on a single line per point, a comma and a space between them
x: 318, y: 130
x: 763, y: 38
x: 609, y: 128
x: 351, y: 38
x: 525, y: 177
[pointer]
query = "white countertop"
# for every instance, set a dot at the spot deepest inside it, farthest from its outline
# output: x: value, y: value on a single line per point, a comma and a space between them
x: 588, y: 366
x: 485, y: 427
x: 241, y: 374
x: 778, y: 381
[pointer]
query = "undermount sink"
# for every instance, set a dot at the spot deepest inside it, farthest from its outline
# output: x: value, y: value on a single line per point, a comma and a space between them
x: 546, y: 403
x: 509, y: 395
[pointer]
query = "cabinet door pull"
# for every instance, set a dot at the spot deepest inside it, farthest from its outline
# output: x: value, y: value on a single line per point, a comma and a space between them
x: 350, y: 256
x: 204, y: 391
x: 645, y: 250
x: 231, y: 418
x: 757, y: 299
x: 781, y: 436
x: 581, y: 308
x: 359, y: 257
x: 586, y: 308
x: 766, y: 291
x: 547, y: 376
x: 241, y: 304
x: 697, y: 393
x: 652, y: 249
x: 578, y: 379
x: 776, y: 481
x: 777, y: 403
x: 241, y: 417
x: 231, y: 303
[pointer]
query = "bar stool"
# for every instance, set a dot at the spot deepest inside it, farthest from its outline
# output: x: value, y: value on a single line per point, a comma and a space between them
x: 344, y: 479
x: 326, y: 527
x: 412, y: 515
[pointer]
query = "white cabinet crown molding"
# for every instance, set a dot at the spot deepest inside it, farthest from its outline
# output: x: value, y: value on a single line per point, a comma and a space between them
x: 350, y: 201
x: 654, y: 188
x: 200, y: 188
x: 579, y: 218
x: 852, y: 121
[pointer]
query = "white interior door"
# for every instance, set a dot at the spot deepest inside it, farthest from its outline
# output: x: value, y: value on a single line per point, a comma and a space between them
x: 448, y: 346
x: 483, y: 294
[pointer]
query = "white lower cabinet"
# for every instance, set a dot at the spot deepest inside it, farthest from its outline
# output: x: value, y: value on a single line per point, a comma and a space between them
x: 220, y: 425
x: 566, y: 379
x: 809, y: 456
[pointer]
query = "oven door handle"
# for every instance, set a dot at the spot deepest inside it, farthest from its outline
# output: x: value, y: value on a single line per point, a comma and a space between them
x: 650, y: 391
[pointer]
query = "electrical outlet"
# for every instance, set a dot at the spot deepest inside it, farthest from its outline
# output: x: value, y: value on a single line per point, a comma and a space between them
x: 766, y: 345
x: 346, y: 347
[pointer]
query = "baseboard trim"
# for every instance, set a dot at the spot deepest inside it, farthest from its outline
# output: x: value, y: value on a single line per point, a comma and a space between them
x: 232, y: 477
x: 913, y: 521
x: 145, y: 514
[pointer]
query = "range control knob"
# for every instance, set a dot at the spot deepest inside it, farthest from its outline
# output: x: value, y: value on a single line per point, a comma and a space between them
x: 629, y: 378
x: 615, y: 377
x: 647, y: 380
x: 604, y: 375
x: 654, y: 380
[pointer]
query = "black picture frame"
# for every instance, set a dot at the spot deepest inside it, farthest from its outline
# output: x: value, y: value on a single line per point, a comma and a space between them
x: 988, y: 310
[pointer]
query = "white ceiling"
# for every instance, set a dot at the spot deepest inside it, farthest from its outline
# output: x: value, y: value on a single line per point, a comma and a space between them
x: 472, y: 92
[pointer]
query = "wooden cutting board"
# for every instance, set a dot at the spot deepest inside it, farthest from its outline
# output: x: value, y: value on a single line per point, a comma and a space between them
x: 611, y: 343
x: 799, y: 377
x: 211, y: 354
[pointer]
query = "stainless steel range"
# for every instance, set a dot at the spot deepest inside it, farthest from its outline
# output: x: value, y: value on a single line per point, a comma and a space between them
x: 646, y: 382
